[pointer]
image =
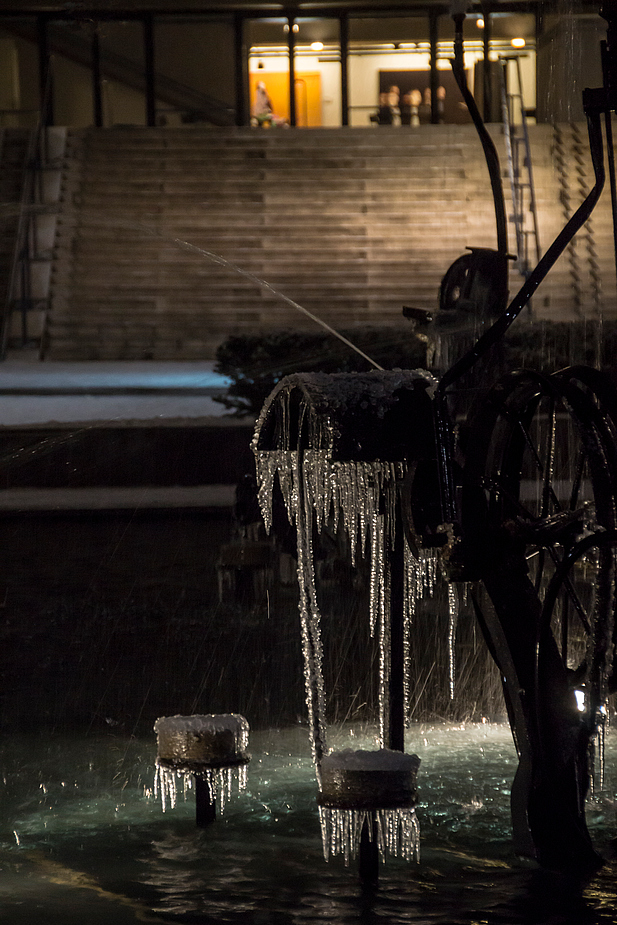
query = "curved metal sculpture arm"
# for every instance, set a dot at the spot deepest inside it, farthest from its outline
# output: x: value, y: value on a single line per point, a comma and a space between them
x: 488, y: 145
x: 499, y: 328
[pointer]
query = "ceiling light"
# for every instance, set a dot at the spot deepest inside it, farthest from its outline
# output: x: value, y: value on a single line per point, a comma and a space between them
x: 316, y: 46
x: 518, y: 43
x: 480, y: 22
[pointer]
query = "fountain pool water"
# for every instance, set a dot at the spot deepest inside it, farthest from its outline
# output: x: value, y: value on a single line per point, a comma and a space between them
x: 82, y: 839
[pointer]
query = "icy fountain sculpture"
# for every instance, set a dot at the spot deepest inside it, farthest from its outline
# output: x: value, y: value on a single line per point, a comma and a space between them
x: 207, y: 751
x: 341, y: 447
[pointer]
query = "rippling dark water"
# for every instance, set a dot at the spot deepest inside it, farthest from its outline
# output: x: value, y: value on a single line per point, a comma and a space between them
x: 83, y: 841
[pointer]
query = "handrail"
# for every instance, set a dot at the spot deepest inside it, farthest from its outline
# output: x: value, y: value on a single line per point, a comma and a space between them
x: 32, y: 195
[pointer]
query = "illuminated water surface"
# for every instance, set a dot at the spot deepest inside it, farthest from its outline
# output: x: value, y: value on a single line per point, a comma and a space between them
x: 82, y: 840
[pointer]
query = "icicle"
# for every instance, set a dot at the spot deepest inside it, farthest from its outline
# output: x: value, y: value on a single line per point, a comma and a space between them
x: 310, y: 622
x: 598, y: 750
x: 363, y: 496
x: 452, y: 622
x: 377, y: 571
x: 419, y: 581
x: 219, y: 781
x: 384, y: 654
x: 397, y: 832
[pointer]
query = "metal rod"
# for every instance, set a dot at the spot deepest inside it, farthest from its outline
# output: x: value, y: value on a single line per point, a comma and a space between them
x: 344, y: 44
x: 97, y: 95
x: 433, y: 28
x: 45, y: 89
x: 205, y: 806
x: 487, y: 83
x: 368, y: 867
x: 240, y: 71
x: 488, y: 145
x: 149, y: 68
x: 291, y: 44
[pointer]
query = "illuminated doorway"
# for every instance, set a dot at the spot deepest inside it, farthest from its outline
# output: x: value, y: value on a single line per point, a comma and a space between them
x: 276, y: 87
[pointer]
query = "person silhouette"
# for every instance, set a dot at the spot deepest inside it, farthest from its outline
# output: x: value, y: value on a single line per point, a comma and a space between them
x: 394, y: 95
x: 262, y: 108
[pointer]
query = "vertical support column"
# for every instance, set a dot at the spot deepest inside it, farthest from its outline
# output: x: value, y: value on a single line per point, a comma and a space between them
x: 344, y: 46
x: 240, y: 71
x: 97, y: 95
x: 205, y: 807
x: 538, y: 34
x: 368, y: 860
x: 433, y: 25
x: 148, y: 22
x: 486, y: 70
x: 46, y: 95
x: 291, y: 44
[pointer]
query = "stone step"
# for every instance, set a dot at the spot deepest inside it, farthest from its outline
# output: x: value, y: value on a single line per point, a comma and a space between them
x: 351, y: 224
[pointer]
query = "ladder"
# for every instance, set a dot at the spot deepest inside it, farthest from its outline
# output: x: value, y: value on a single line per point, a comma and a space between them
x: 518, y: 152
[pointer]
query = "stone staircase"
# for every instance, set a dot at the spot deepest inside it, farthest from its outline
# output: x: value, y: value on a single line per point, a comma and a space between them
x: 351, y: 224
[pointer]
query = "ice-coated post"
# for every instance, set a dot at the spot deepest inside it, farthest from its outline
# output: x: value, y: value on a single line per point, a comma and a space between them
x: 368, y: 865
x: 205, y: 806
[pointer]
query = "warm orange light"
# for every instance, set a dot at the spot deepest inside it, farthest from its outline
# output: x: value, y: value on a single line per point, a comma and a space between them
x: 480, y: 23
x: 316, y: 46
x: 517, y: 43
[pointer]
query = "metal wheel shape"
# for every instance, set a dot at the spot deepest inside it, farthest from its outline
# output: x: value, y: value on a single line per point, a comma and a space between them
x: 539, y: 521
x: 544, y: 454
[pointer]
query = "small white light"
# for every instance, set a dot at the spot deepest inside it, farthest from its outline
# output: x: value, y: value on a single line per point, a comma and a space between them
x: 480, y: 22
x: 518, y: 43
x: 316, y: 46
x: 295, y: 27
x: 580, y: 700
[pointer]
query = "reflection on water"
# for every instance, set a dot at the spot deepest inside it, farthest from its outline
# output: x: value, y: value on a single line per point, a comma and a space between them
x: 83, y: 841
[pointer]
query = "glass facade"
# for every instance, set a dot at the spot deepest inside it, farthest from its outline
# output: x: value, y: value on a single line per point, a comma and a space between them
x: 161, y: 69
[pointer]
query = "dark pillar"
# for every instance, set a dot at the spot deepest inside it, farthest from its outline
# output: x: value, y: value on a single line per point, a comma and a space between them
x: 486, y: 71
x: 539, y: 33
x: 368, y: 862
x: 240, y: 72
x: 45, y: 79
x: 205, y: 808
x: 344, y: 45
x: 149, y: 66
x: 291, y: 43
x: 433, y: 25
x: 97, y: 96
